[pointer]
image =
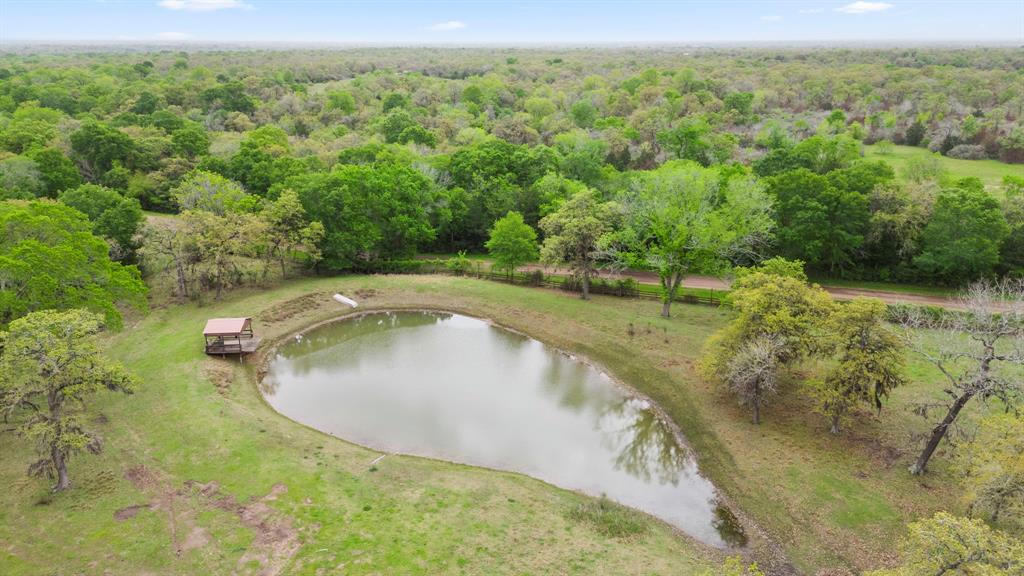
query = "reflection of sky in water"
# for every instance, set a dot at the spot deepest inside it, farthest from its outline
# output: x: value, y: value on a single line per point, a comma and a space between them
x: 456, y: 388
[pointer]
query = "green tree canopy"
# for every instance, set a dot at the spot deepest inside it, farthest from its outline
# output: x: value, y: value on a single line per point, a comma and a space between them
x: 962, y: 240
x: 49, y: 367
x: 50, y: 259
x: 113, y: 216
x: 574, y: 232
x: 368, y: 211
x: 954, y: 546
x: 56, y: 170
x: 512, y: 243
x: 992, y: 468
x: 211, y: 192
x: 683, y: 219
x: 817, y: 222
x: 869, y: 364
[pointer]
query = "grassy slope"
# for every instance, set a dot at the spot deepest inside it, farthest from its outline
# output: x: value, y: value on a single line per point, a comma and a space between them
x: 827, y: 501
x: 990, y: 172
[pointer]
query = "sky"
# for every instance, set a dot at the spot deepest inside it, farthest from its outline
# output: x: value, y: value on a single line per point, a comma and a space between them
x: 588, y: 22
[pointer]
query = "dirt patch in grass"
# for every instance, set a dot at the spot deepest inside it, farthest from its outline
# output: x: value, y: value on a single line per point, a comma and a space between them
x: 276, y: 540
x: 291, y: 308
x: 141, y: 477
x: 365, y: 293
x: 196, y: 538
x: 220, y: 373
x: 129, y: 512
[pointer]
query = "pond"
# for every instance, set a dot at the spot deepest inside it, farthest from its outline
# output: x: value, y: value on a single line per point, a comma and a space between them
x: 457, y: 388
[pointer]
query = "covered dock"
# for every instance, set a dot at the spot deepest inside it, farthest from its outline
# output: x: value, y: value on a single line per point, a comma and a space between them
x: 230, y: 336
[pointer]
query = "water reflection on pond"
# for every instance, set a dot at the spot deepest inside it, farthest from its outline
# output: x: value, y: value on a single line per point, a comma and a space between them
x: 456, y: 388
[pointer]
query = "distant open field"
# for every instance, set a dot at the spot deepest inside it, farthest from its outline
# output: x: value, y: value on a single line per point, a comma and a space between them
x: 990, y: 172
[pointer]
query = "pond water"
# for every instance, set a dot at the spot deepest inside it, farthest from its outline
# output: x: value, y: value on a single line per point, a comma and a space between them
x: 457, y: 388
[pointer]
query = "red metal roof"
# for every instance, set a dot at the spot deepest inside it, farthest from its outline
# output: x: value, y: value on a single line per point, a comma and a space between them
x: 225, y: 326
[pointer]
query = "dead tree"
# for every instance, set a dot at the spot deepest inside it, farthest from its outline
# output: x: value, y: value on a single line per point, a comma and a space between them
x: 979, y: 352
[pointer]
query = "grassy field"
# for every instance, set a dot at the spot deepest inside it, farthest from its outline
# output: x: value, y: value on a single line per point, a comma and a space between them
x: 990, y: 172
x: 877, y: 286
x: 199, y: 475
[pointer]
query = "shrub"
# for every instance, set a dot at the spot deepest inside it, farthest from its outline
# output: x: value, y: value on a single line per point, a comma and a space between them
x: 535, y: 278
x: 609, y: 518
x: 459, y: 265
x: 967, y: 152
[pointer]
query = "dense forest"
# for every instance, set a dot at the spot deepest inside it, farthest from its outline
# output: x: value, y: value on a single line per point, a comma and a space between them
x: 394, y: 151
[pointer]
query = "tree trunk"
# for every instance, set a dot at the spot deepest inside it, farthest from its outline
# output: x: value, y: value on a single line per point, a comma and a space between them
x: 182, y: 284
x: 63, y: 482
x: 938, y: 433
x: 586, y: 286
x: 757, y: 412
x: 835, y: 424
x: 670, y: 286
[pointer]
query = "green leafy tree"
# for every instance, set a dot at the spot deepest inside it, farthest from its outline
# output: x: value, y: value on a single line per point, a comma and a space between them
x: 574, y: 232
x: 31, y: 127
x: 191, y: 141
x: 98, y: 146
x: 21, y: 177
x: 582, y: 157
x: 962, y: 240
x: 57, y: 171
x: 869, y: 364
x: 113, y: 216
x: 947, y: 545
x: 693, y: 139
x: 783, y: 310
x: 740, y: 103
x: 222, y: 245
x: 817, y: 222
x: 50, y: 366
x: 369, y: 212
x: 50, y: 259
x: 992, y: 470
x: 583, y: 113
x: 340, y: 100
x: 398, y: 126
x: 1011, y: 258
x: 211, y: 192
x: 512, y: 243
x: 681, y: 220
x: 776, y: 266
x: 898, y: 215
x: 289, y: 231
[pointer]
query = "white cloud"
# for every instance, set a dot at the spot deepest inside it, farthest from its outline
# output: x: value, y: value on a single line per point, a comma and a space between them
x: 202, y: 5
x: 172, y: 36
x: 811, y: 11
x: 772, y: 18
x: 448, y: 26
x: 864, y: 7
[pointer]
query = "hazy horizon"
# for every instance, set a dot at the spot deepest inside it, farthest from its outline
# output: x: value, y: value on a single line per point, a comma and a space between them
x: 508, y: 23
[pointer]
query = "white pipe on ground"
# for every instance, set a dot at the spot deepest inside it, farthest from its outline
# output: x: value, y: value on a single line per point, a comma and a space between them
x: 345, y: 300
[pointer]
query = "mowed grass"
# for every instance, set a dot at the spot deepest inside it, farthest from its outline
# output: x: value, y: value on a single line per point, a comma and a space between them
x: 203, y: 454
x: 990, y: 172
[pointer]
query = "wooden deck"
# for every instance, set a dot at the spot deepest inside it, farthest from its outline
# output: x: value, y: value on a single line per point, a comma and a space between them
x: 233, y: 346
